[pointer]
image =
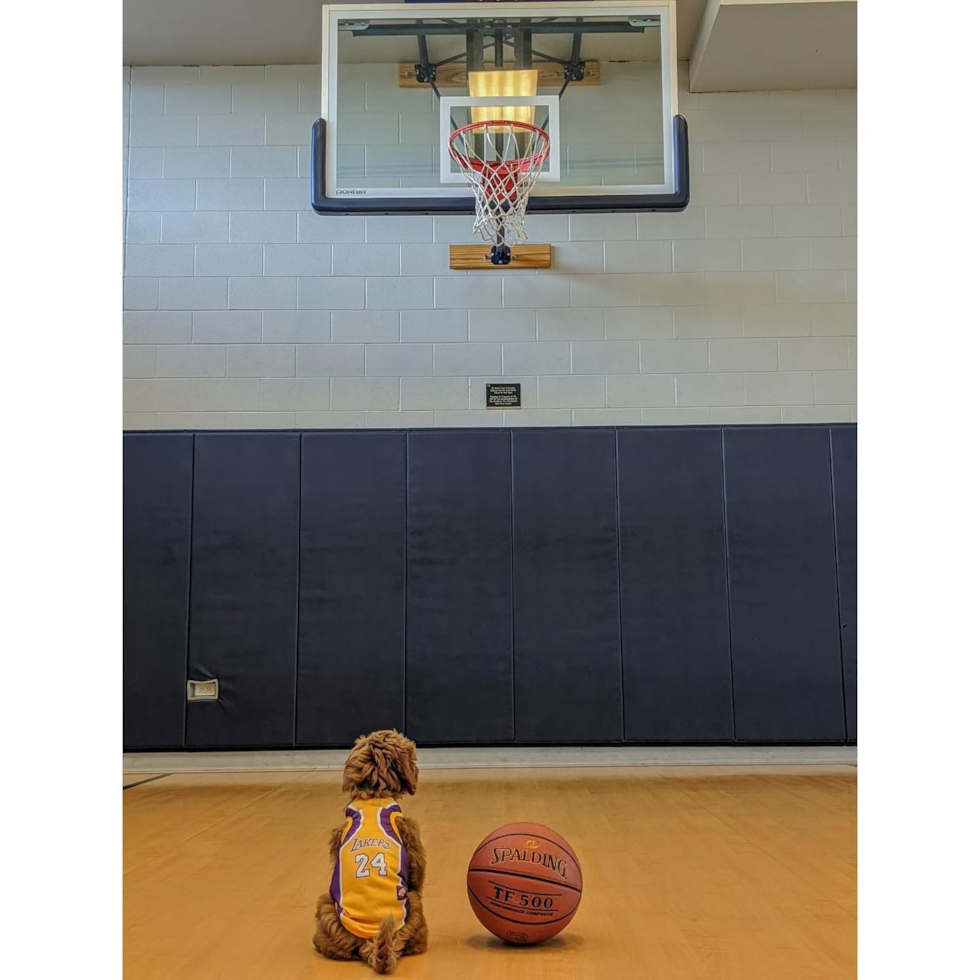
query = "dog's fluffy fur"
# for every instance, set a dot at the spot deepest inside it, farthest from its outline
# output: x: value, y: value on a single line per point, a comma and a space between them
x: 380, y: 764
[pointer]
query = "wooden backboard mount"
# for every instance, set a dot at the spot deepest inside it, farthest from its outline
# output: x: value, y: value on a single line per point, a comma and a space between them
x: 550, y: 75
x: 478, y: 257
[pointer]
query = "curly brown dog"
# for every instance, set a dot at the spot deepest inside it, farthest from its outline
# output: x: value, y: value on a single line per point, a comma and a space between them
x: 374, y: 907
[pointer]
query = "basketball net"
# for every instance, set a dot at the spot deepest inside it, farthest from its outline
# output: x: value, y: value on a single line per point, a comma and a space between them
x: 501, y: 160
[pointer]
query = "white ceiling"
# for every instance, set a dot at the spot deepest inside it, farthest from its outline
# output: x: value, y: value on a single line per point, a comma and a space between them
x: 221, y: 32
x: 734, y: 45
x: 748, y: 45
x: 261, y: 32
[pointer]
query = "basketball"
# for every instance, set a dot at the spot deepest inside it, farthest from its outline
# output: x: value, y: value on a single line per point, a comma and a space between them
x: 524, y: 883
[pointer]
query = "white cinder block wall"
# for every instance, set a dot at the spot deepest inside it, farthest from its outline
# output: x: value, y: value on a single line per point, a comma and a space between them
x: 245, y: 309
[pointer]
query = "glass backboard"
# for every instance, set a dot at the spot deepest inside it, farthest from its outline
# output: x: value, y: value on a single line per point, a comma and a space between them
x: 599, y: 77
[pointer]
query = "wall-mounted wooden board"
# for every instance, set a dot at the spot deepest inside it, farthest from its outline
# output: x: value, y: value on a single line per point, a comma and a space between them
x: 550, y: 75
x: 478, y: 257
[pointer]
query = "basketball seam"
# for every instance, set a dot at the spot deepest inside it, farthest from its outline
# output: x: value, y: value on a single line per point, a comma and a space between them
x: 519, y: 874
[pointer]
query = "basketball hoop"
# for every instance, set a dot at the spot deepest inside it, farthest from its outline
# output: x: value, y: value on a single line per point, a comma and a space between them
x: 501, y: 160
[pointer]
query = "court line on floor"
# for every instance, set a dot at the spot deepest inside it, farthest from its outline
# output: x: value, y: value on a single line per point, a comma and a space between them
x: 149, y: 780
x: 260, y: 793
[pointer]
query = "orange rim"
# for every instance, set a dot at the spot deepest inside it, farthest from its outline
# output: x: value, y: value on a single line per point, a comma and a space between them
x: 504, y: 167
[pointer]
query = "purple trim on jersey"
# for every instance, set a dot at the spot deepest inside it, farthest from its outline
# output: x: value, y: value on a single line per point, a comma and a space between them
x: 384, y: 815
x: 335, y: 885
x: 357, y: 818
x: 386, y: 825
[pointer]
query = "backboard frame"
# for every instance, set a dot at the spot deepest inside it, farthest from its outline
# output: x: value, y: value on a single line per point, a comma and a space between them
x: 672, y: 195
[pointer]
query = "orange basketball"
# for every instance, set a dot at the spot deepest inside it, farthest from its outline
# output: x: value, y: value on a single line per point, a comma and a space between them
x: 524, y: 883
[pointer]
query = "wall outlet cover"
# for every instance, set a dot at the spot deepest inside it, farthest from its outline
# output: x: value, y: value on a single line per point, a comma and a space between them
x: 202, y: 690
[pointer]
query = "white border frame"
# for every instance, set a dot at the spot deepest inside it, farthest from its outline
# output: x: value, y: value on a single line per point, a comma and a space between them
x: 449, y: 102
x: 334, y: 13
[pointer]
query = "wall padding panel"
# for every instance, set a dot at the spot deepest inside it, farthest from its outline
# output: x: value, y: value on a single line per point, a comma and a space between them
x: 472, y: 586
x: 352, y: 586
x: 460, y: 653
x: 844, y: 444
x: 783, y: 585
x: 244, y: 587
x: 157, y: 473
x: 568, y: 664
x: 676, y: 664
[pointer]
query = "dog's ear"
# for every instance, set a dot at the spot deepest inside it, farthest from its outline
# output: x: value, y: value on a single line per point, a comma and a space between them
x: 357, y: 768
x: 382, y: 762
x: 408, y: 766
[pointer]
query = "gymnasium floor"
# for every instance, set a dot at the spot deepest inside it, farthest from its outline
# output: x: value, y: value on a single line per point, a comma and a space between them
x: 742, y: 873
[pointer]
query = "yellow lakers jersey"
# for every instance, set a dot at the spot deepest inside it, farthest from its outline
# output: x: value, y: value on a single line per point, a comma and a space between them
x: 370, y: 878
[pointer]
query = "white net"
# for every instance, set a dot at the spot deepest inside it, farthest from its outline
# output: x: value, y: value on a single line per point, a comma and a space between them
x: 501, y: 161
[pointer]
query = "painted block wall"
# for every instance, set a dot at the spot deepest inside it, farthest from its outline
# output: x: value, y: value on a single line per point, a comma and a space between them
x: 244, y: 309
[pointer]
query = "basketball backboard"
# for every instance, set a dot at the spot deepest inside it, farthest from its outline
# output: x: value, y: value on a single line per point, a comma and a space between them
x: 599, y: 77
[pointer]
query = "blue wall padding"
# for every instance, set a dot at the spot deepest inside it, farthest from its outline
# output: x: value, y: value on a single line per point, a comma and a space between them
x: 244, y: 588
x: 352, y: 586
x: 783, y: 585
x: 844, y: 443
x: 157, y: 473
x: 677, y: 672
x: 459, y: 643
x: 568, y: 663
x: 492, y: 586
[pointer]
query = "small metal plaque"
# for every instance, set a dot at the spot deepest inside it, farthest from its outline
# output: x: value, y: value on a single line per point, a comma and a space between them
x: 504, y: 396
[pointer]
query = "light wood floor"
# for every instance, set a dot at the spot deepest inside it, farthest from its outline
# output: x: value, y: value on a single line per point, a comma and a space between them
x: 689, y: 873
